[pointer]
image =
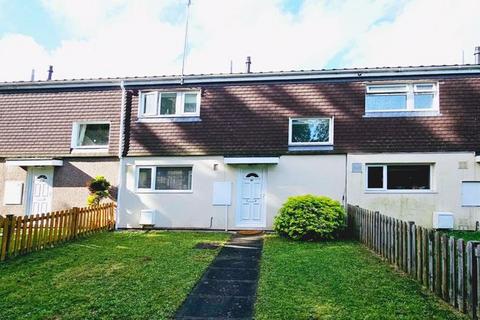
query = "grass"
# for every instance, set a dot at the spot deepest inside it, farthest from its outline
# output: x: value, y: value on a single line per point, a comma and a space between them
x: 338, y: 280
x: 111, y: 275
x: 465, y: 235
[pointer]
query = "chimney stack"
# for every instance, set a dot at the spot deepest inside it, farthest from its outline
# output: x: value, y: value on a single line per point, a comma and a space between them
x: 477, y: 55
x: 50, y: 72
x: 248, y: 63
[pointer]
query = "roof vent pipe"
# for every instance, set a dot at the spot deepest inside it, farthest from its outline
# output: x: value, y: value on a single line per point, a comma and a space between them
x: 477, y: 55
x: 248, y: 63
x: 50, y: 72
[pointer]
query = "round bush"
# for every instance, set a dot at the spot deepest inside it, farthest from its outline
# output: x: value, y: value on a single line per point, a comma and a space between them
x: 310, y: 217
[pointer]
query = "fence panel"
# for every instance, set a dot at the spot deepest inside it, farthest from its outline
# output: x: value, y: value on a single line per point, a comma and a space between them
x: 448, y: 267
x: 20, y: 235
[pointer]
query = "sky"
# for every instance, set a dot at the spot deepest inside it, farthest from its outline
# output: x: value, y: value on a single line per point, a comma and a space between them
x: 117, y: 38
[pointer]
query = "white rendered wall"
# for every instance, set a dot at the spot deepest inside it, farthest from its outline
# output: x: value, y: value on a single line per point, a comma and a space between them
x: 294, y: 175
x: 418, y: 206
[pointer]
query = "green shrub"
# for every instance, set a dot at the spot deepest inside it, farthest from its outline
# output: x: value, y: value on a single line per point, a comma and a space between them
x: 310, y: 217
x: 99, y: 188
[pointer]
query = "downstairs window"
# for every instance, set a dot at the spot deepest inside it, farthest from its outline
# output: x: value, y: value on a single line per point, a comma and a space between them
x: 398, y: 177
x: 164, y: 179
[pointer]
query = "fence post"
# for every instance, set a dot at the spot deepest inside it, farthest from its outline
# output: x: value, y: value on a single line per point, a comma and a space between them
x: 409, y: 247
x: 112, y: 217
x: 451, y: 280
x: 431, y: 284
x: 444, y: 267
x: 438, y: 264
x: 471, y: 279
x: 477, y: 257
x: 7, y: 236
x: 460, y: 277
x: 75, y: 212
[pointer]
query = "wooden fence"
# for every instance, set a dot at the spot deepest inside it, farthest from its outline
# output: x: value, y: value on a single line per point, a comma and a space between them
x: 447, y: 266
x: 24, y: 234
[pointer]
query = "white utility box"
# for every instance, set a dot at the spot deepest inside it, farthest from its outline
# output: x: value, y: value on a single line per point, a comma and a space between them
x: 222, y: 193
x: 442, y: 220
x: 147, y: 217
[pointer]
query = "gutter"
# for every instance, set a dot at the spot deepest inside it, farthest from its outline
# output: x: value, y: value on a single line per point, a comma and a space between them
x: 121, y: 147
x: 341, y: 74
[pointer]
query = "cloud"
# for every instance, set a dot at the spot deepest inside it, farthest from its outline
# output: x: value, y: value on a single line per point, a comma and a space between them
x: 145, y: 37
x: 424, y: 33
x: 15, y: 51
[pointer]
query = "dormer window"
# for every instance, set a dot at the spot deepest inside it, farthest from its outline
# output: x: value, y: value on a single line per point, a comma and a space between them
x: 310, y: 131
x: 402, y: 99
x: 90, y: 135
x: 159, y: 104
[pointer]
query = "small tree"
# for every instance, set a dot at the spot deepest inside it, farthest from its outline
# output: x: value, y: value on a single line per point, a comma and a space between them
x: 99, y: 188
x: 310, y: 217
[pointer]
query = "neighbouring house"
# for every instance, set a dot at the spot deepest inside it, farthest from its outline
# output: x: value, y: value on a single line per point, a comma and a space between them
x: 54, y: 137
x: 225, y: 151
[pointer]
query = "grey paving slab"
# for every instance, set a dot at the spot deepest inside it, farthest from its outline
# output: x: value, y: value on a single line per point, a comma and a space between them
x: 227, y: 290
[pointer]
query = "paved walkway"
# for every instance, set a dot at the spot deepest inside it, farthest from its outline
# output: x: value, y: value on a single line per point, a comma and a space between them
x: 228, y: 287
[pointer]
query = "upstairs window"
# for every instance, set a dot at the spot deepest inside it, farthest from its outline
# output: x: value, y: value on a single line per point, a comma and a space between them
x: 169, y: 104
x: 311, y: 131
x: 398, y: 177
x: 408, y: 97
x: 90, y: 135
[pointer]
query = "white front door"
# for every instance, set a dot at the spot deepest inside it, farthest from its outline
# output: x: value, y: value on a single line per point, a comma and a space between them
x: 40, y: 191
x: 251, y: 198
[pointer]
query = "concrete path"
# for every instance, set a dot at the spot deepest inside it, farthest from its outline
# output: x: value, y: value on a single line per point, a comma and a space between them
x: 228, y: 287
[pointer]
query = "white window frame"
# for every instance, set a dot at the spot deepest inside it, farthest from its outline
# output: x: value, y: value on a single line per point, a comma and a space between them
x: 76, y: 130
x: 409, y: 89
x: 179, y: 104
x: 142, y: 104
x: 385, y: 177
x: 154, y: 174
x: 326, y: 143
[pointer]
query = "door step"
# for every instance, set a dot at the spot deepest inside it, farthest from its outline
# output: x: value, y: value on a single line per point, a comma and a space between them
x: 250, y: 232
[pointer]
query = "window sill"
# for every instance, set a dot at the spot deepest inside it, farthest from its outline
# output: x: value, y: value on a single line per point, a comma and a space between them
x: 164, y: 191
x: 170, y: 119
x: 310, y: 147
x: 401, y: 192
x: 89, y: 150
x: 398, y: 114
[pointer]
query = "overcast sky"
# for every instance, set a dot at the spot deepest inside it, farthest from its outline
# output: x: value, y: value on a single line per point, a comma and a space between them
x: 106, y: 38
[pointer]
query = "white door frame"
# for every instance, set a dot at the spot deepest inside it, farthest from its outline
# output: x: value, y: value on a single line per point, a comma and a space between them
x: 29, y: 189
x: 241, y: 170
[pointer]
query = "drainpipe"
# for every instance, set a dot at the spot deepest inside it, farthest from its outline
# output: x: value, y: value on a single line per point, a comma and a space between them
x: 121, y: 145
x: 345, y: 192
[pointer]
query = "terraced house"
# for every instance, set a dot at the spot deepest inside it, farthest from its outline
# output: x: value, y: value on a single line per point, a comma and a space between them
x: 225, y: 151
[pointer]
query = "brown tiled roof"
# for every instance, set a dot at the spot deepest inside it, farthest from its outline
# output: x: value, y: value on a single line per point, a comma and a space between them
x: 252, y: 119
x: 39, y: 123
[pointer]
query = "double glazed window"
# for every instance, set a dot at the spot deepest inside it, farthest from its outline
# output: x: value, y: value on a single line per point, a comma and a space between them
x: 164, y: 178
x: 402, y: 97
x: 169, y: 104
x: 311, y: 131
x: 90, y: 135
x: 399, y: 177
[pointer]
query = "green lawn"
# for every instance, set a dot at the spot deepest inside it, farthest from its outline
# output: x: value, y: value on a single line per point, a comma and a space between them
x: 338, y: 280
x: 465, y: 235
x: 111, y: 275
